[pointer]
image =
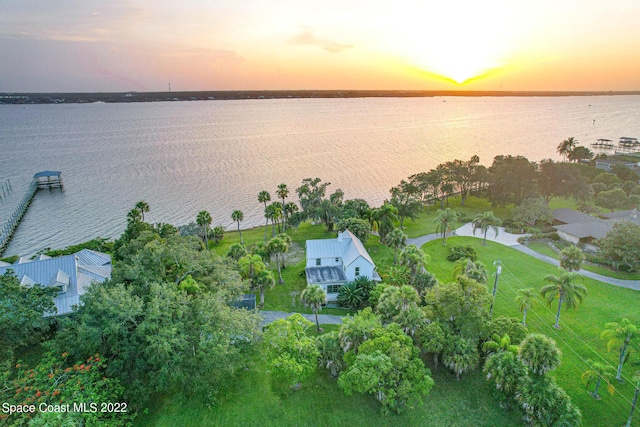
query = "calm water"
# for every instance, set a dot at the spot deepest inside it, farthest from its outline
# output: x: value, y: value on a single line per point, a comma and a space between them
x: 183, y: 157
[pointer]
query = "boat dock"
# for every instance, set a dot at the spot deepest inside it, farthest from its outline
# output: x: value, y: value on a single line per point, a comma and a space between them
x: 626, y: 144
x: 602, y: 143
x: 41, y: 180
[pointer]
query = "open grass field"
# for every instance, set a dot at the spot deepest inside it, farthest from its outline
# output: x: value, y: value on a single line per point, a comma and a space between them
x: 579, y: 337
x: 252, y: 402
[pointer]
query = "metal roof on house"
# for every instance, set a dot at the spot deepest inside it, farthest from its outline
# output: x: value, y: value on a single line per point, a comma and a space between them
x: 346, y: 246
x: 325, y: 275
x: 570, y: 216
x: 77, y: 271
x: 88, y: 257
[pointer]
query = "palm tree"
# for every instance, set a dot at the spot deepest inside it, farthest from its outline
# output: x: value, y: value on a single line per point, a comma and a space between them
x: 204, y: 220
x: 566, y: 146
x: 620, y: 335
x: 571, y: 258
x: 484, y: 221
x: 473, y: 270
x: 273, y: 212
x: 217, y: 233
x: 527, y: 299
x: 143, y: 207
x: 250, y: 265
x: 283, y: 192
x: 278, y: 246
x: 264, y: 197
x: 261, y: 281
x: 460, y: 355
x: 539, y: 353
x: 313, y: 296
x: 565, y: 290
x: 134, y: 216
x: 238, y: 217
x: 414, y: 259
x: 384, y: 217
x: 598, y: 372
x: 505, y: 370
x: 396, y: 240
x: 444, y: 219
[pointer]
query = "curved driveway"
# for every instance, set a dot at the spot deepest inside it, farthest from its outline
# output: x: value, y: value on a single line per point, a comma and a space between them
x: 511, y: 240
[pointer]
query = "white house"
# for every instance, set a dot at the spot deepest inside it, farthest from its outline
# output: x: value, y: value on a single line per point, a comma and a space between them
x: 333, y: 262
x: 70, y: 274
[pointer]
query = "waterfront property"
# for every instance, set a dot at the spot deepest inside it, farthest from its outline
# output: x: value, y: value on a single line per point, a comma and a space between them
x: 70, y: 274
x: 333, y: 262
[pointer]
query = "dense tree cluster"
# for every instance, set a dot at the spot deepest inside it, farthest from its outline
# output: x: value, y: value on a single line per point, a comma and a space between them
x: 164, y: 319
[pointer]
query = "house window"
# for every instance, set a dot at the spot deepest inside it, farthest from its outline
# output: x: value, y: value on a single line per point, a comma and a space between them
x: 318, y: 261
x: 357, y: 271
x: 337, y: 260
x: 333, y: 289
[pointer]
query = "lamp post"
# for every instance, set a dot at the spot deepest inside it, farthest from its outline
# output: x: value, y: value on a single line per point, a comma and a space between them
x: 498, y: 265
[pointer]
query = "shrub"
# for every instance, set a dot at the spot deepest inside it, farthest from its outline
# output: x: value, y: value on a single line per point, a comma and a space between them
x: 458, y: 252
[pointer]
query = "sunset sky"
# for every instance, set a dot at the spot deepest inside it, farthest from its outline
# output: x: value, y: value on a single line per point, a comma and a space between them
x: 143, y: 45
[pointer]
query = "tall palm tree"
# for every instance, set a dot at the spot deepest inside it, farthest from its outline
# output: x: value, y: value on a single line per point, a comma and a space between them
x: 566, y: 146
x: 204, y: 220
x: 445, y: 218
x: 571, y: 258
x: 238, y: 217
x: 565, y: 290
x: 283, y: 192
x: 278, y: 246
x: 539, y: 353
x: 313, y: 296
x: 484, y: 221
x: 264, y: 197
x: 526, y: 299
x: 396, y: 240
x: 274, y: 213
x: 384, y: 217
x: 620, y: 335
x: 143, y: 207
x: 598, y: 372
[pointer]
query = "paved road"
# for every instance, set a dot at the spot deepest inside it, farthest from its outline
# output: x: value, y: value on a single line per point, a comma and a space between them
x: 323, y: 319
x: 511, y: 240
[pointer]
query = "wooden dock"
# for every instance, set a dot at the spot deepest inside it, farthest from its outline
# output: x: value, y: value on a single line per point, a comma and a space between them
x: 41, y: 180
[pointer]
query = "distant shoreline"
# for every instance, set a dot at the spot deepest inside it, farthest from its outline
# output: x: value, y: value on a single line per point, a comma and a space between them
x: 127, y: 97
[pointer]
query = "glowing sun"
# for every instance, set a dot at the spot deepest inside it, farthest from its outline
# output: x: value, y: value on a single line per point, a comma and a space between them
x: 474, y: 39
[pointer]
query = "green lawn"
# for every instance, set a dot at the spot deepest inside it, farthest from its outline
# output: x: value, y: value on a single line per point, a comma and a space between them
x: 321, y: 403
x: 473, y: 206
x: 581, y: 328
